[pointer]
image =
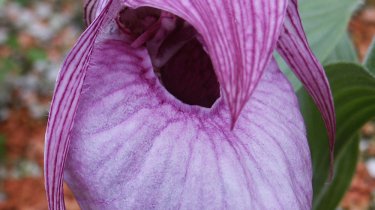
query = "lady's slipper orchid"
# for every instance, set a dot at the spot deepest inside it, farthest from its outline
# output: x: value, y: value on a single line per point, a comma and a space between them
x: 178, y: 104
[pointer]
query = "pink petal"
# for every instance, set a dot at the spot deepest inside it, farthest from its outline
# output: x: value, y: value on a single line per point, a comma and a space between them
x: 63, y: 108
x: 135, y: 146
x: 92, y: 9
x: 239, y: 36
x: 132, y: 145
x: 294, y: 48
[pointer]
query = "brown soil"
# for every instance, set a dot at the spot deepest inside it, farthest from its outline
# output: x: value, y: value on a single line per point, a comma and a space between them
x: 362, y: 28
x: 360, y: 194
x: 29, y: 194
x: 25, y: 140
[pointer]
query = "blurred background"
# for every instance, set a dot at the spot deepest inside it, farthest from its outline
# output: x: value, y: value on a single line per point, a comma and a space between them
x: 35, y: 37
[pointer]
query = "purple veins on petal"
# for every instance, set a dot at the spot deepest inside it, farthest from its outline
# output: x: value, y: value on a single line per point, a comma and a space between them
x: 293, y: 47
x: 164, y: 154
x: 239, y: 53
x: 179, y: 59
x: 144, y: 108
x: 92, y: 9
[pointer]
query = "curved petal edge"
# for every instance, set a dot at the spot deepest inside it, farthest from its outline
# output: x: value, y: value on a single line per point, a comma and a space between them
x: 134, y: 146
x: 63, y: 109
x: 295, y: 50
x: 92, y: 9
x: 239, y: 53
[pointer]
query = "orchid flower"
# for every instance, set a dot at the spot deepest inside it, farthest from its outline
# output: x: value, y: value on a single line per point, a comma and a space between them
x: 179, y: 104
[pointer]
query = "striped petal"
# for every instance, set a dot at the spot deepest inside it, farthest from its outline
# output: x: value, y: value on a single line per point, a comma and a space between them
x: 135, y: 146
x: 127, y: 143
x: 63, y: 108
x: 239, y: 36
x: 294, y: 48
x: 92, y: 9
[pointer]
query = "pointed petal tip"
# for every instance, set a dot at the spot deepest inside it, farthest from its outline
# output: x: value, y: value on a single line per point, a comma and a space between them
x: 233, y: 122
x: 248, y: 50
x: 235, y: 109
x: 294, y: 48
x: 331, y: 161
x: 159, y: 154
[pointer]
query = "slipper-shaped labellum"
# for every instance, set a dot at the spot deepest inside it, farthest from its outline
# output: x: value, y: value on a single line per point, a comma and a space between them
x: 179, y: 104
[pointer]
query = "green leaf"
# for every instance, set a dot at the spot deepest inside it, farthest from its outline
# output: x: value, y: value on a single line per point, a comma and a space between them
x: 353, y: 91
x: 343, y: 52
x: 325, y: 23
x: 370, y: 58
x: 345, y: 165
